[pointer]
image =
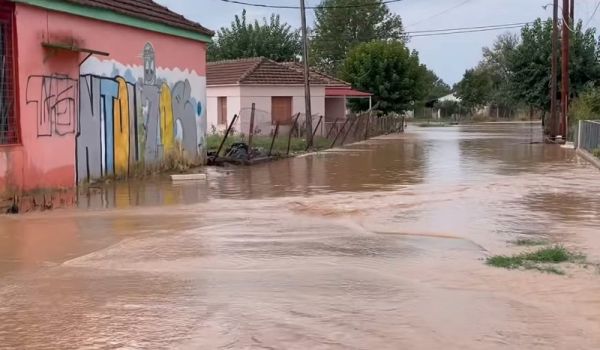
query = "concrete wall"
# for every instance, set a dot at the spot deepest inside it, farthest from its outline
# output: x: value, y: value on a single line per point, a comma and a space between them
x: 110, y: 114
x: 261, y: 96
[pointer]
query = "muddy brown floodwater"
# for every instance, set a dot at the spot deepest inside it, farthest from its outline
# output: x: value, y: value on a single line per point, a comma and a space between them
x: 379, y: 246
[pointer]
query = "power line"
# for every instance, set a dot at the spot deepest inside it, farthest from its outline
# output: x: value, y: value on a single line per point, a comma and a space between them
x: 593, y: 14
x: 461, y: 30
x: 307, y: 7
x: 491, y: 26
x: 440, y: 13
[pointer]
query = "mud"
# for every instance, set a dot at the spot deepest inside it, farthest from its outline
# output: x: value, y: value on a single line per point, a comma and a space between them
x: 379, y: 246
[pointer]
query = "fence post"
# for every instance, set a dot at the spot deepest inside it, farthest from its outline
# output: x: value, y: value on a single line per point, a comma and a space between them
x: 274, y: 137
x: 291, y: 132
x: 235, y: 116
x: 251, y: 132
x: 339, y: 132
x: 331, y: 129
x: 579, y: 125
x: 314, y: 132
x: 349, y: 129
x: 367, y: 126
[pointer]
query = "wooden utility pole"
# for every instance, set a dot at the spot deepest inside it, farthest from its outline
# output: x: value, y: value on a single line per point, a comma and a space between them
x: 566, y: 33
x: 309, y: 129
x: 553, y: 127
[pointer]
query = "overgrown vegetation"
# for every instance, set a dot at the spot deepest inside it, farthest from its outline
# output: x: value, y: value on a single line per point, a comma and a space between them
x: 596, y: 152
x: 541, y: 259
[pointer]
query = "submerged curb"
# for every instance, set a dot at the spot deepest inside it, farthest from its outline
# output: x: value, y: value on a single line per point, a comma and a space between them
x: 589, y: 157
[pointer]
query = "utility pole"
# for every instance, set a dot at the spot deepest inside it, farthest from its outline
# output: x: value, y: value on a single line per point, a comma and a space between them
x: 566, y: 33
x: 554, y: 79
x: 309, y: 130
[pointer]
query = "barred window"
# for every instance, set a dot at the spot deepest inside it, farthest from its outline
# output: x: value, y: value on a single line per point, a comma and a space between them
x: 8, y: 119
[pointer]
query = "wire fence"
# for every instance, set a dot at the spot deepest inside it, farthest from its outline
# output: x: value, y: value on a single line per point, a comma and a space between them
x: 255, y: 134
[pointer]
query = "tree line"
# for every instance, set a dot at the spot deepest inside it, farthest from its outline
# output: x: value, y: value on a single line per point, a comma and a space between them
x: 515, y: 72
x: 364, y: 45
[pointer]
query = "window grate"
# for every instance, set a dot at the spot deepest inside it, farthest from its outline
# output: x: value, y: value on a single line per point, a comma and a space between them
x: 8, y: 120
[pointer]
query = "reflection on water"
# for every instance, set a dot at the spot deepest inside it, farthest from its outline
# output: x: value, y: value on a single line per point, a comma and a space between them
x: 377, y: 246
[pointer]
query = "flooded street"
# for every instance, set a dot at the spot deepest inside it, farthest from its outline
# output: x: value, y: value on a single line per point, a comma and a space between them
x: 378, y: 246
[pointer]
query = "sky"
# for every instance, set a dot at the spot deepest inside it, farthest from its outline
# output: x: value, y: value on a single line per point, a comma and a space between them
x: 447, y: 56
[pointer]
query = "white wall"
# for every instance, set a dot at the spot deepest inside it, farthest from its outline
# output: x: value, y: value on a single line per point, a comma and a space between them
x: 261, y: 96
x: 212, y: 109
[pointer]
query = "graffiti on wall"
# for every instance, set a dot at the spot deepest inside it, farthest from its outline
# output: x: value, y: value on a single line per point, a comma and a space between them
x: 124, y: 121
x: 55, y: 101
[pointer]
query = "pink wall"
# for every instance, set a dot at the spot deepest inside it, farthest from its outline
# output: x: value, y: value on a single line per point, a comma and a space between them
x: 46, y: 158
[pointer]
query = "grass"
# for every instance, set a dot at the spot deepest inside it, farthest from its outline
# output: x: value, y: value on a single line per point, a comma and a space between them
x: 541, y: 259
x: 264, y: 142
x: 596, y: 152
x: 529, y: 242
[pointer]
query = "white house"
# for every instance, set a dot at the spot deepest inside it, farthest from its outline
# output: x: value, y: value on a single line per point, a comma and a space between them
x: 276, y: 89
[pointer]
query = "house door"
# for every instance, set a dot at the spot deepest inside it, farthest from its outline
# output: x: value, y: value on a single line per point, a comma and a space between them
x: 281, y: 110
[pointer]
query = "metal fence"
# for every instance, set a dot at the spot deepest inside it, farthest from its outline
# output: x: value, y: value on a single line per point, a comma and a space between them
x: 588, y: 137
x: 8, y: 122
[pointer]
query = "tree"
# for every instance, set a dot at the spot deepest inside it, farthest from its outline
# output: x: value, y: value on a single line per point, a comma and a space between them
x: 436, y: 87
x: 529, y: 65
x: 388, y: 70
x: 475, y: 89
x: 530, y: 69
x: 489, y: 82
x: 271, y: 39
x: 339, y: 26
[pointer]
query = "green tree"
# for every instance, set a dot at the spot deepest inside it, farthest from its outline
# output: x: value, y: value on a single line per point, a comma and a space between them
x: 388, y: 70
x: 342, y: 24
x: 270, y: 39
x: 530, y: 69
x: 476, y: 88
x: 529, y: 65
x: 436, y: 87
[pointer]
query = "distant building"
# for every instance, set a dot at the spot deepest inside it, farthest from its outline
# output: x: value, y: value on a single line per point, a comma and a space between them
x: 90, y: 88
x: 277, y: 90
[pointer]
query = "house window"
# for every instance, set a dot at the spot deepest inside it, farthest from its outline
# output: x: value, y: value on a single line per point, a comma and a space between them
x: 8, y: 120
x: 281, y: 110
x: 222, y: 110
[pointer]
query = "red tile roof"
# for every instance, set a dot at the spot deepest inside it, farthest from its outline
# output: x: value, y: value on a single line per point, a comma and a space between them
x: 315, y: 74
x: 256, y: 71
x: 147, y: 10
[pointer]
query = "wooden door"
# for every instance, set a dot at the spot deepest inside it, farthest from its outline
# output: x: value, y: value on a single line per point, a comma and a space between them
x: 281, y: 110
x: 222, y: 110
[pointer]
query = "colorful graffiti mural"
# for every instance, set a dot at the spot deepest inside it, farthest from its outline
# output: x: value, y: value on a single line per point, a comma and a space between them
x: 135, y: 115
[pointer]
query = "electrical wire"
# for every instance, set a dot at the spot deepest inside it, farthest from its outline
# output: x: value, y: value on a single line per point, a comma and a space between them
x: 237, y: 2
x: 452, y: 31
x: 440, y: 13
x: 593, y: 14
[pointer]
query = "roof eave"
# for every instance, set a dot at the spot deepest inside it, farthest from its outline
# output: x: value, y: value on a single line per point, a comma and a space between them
x: 118, y: 18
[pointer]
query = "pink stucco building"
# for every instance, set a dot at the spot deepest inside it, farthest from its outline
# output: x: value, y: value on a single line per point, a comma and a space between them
x: 92, y: 88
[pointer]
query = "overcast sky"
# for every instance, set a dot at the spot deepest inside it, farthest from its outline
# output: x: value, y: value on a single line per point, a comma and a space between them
x: 448, y: 56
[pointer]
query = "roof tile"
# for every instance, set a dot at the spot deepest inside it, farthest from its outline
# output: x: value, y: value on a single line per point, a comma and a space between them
x: 148, y: 10
x: 256, y: 71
